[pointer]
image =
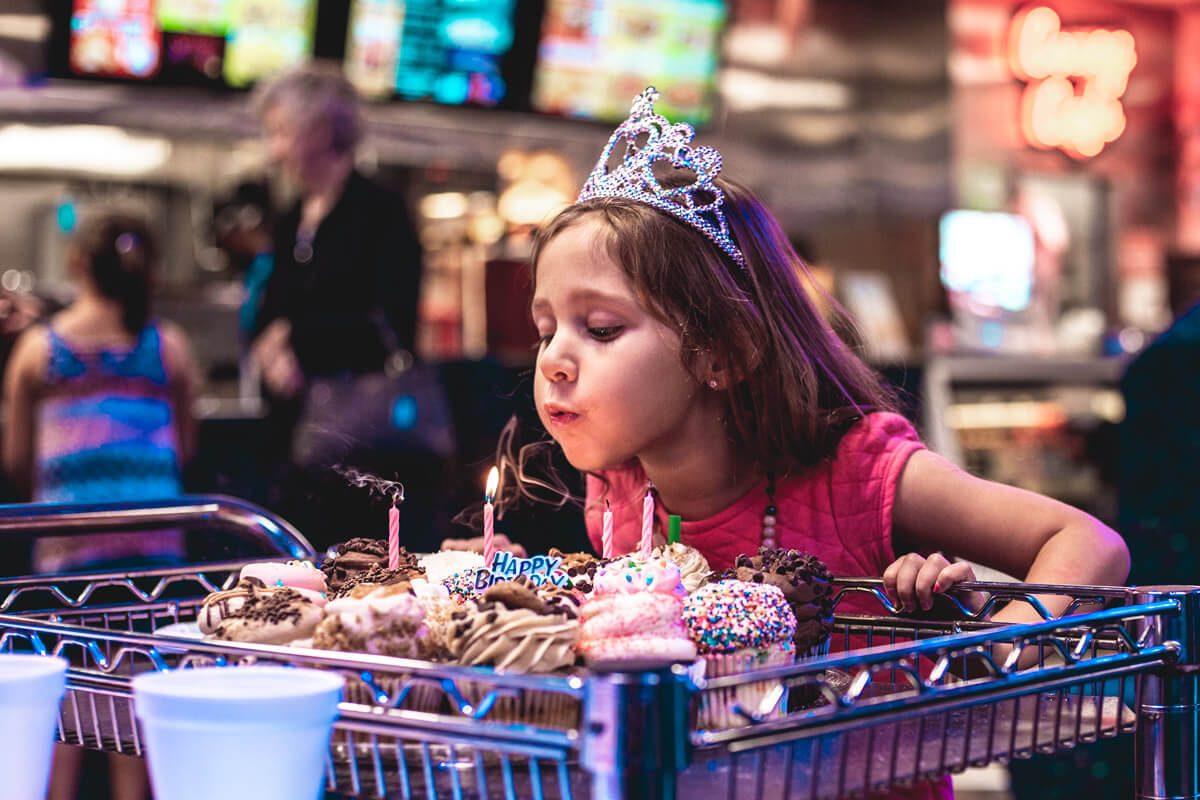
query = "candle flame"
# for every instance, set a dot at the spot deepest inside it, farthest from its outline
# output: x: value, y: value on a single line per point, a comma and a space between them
x: 493, y: 480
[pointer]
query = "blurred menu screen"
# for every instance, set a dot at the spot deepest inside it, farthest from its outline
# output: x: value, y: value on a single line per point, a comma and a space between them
x: 115, y: 38
x: 188, y: 41
x: 440, y: 50
x: 596, y: 55
x: 265, y: 36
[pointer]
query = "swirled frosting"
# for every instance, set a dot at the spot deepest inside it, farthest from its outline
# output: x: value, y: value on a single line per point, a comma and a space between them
x: 512, y: 628
x: 693, y: 567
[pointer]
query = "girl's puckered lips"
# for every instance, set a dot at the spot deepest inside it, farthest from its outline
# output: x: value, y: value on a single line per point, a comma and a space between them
x: 559, y: 415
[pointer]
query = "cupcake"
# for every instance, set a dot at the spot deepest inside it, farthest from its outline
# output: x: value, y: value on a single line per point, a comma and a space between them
x: 374, y: 576
x: 461, y: 585
x: 516, y: 628
x: 806, y: 583
x: 283, y: 616
x: 441, y: 565
x: 359, y: 555
x: 737, y: 627
x: 634, y: 617
x: 693, y: 567
x: 219, y: 605
x: 385, y: 621
x: 580, y: 568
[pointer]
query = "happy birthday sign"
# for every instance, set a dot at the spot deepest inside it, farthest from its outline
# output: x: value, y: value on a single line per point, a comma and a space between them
x: 506, y: 567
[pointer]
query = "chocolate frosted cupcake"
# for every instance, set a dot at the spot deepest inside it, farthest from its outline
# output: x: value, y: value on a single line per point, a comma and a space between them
x: 374, y: 577
x: 279, y: 617
x: 806, y: 583
x: 358, y: 555
x: 517, y: 628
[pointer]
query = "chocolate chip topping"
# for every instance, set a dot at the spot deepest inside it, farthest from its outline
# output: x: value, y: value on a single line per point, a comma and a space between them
x: 805, y: 581
x: 274, y: 608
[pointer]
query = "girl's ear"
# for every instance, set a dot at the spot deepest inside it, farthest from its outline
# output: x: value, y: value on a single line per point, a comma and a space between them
x: 719, y: 372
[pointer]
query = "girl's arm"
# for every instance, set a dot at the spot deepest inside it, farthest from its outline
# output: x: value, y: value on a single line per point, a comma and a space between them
x: 940, y: 508
x: 22, y: 379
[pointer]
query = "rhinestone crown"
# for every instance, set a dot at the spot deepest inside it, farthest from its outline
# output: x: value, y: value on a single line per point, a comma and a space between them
x: 634, y: 177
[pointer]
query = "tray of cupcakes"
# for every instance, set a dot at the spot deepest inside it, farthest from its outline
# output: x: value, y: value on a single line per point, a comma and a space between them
x: 556, y: 615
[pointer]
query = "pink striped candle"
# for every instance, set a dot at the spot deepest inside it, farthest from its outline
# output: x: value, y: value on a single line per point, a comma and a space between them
x: 606, y: 536
x: 489, y: 534
x: 393, y: 537
x: 647, y: 524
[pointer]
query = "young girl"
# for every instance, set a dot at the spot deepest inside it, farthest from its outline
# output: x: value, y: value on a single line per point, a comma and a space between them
x: 97, y: 401
x: 679, y: 349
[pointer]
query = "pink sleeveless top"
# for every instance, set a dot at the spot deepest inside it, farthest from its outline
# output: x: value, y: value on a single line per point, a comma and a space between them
x: 840, y: 511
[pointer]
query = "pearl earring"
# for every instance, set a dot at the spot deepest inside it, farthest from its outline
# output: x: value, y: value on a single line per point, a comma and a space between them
x: 712, y: 383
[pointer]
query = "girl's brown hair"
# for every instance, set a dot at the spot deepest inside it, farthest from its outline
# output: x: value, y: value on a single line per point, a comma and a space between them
x: 797, y: 377
x: 121, y: 257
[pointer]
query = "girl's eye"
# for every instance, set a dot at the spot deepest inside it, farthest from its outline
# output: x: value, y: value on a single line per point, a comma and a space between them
x: 543, y: 340
x: 606, y: 333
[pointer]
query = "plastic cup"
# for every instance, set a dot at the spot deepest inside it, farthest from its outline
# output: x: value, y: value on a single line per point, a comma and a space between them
x: 258, y: 731
x: 31, y: 689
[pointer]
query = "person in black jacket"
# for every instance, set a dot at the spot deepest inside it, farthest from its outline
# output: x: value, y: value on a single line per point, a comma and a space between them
x: 345, y: 252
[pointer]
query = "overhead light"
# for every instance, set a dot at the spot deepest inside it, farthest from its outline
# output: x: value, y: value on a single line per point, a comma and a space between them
x: 26, y: 27
x: 100, y: 149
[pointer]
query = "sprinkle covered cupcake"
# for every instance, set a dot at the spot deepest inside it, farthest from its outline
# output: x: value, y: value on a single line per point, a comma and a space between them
x: 739, y: 626
x: 806, y: 583
x: 634, y: 617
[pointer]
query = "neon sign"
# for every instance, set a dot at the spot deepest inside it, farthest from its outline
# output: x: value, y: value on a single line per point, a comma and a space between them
x: 1075, y: 80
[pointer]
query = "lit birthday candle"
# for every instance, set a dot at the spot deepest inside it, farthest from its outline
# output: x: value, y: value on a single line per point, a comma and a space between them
x: 489, y: 534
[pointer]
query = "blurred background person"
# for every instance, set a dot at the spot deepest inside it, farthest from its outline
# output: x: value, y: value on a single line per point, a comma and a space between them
x: 97, y: 408
x: 347, y: 261
x: 344, y: 249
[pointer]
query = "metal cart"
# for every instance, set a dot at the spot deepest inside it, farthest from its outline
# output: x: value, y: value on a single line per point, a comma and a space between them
x: 908, y: 699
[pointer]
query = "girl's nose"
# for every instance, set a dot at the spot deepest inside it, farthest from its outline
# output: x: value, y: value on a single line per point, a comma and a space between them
x: 555, y: 363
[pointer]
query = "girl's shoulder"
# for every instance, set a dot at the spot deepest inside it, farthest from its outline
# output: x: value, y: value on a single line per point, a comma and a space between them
x: 31, y: 351
x: 878, y: 432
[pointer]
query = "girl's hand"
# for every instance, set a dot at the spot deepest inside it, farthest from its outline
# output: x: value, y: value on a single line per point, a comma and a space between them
x: 912, y: 580
x: 475, y: 544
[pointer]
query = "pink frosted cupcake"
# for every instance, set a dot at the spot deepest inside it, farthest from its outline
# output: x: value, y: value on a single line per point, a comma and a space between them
x: 737, y: 627
x: 634, y: 617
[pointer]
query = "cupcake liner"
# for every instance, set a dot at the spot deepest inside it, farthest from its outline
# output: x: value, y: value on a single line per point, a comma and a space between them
x: 718, y: 707
x: 529, y: 707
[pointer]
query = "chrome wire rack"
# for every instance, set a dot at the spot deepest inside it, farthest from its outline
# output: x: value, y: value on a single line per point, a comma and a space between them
x: 899, y: 700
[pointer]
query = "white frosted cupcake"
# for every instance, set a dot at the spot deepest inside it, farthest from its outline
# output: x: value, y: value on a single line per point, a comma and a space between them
x: 441, y: 565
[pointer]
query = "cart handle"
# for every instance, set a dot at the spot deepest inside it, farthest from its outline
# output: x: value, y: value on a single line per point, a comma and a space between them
x: 53, y: 518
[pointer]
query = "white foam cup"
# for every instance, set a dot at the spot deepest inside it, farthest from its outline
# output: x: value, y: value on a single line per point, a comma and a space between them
x: 258, y: 731
x: 31, y: 689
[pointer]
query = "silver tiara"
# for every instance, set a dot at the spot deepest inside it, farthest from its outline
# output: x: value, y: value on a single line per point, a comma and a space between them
x: 634, y: 178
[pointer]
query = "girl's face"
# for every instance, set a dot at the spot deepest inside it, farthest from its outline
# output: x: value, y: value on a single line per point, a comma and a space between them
x: 609, y: 384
